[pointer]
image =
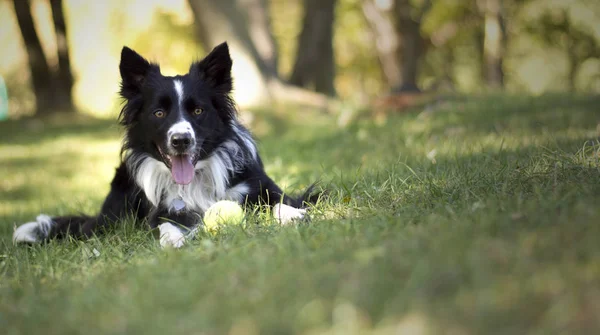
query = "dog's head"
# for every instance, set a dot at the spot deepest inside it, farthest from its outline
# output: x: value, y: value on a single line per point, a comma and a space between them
x: 177, y: 120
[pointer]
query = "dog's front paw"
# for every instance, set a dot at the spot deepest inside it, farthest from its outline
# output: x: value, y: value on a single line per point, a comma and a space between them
x: 171, y: 236
x: 33, y: 232
x: 285, y: 214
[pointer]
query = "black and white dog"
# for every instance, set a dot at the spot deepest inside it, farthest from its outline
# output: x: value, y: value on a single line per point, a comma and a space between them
x: 184, y: 150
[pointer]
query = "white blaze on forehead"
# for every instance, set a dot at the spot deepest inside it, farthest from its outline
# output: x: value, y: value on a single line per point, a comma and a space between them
x: 182, y: 126
x: 179, y: 91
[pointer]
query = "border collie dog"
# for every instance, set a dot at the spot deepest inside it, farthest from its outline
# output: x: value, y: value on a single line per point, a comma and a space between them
x: 184, y: 150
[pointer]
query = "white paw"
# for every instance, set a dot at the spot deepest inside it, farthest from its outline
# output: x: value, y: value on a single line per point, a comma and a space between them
x: 171, y: 236
x: 285, y: 214
x: 35, y: 231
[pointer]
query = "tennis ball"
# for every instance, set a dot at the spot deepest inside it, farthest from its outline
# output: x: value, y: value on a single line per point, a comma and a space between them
x: 224, y: 212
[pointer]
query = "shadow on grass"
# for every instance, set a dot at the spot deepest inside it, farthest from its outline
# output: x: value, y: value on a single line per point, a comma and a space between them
x: 414, y: 187
x: 32, y: 130
x: 433, y: 239
x: 408, y: 137
x: 506, y: 225
x: 501, y: 113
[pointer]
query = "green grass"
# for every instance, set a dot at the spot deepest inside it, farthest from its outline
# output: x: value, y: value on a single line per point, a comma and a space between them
x: 479, y: 217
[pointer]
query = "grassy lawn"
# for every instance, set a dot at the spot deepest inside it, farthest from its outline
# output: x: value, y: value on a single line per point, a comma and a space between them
x: 480, y: 216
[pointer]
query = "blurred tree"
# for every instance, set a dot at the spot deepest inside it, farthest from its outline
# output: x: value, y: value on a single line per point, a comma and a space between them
x: 494, y: 42
x: 378, y: 16
x: 479, y: 31
x: 245, y: 25
x: 557, y: 30
x: 409, y: 16
x: 315, y: 64
x: 448, y: 27
x: 63, y: 78
x: 432, y: 31
x: 167, y: 35
x: 261, y: 33
x: 41, y: 77
x: 52, y: 90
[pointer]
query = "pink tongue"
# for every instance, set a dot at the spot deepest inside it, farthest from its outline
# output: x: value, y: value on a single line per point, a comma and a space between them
x: 182, y: 169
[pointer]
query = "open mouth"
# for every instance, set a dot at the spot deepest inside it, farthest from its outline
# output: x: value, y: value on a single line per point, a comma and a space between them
x: 181, y: 165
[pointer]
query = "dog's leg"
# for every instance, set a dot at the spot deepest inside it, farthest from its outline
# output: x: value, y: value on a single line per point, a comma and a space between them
x: 122, y: 200
x: 286, y: 214
x: 174, y: 227
x: 171, y: 236
x: 35, y: 231
x: 285, y: 208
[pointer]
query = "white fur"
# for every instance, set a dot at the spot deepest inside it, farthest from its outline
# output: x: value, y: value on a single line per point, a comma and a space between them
x: 180, y: 127
x: 210, y: 181
x: 179, y: 91
x: 238, y: 193
x: 30, y: 232
x: 208, y: 186
x: 246, y: 138
x: 152, y: 177
x: 171, y: 236
x: 285, y: 214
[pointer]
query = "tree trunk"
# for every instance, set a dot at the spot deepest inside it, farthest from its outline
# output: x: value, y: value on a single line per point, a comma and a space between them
x: 64, y: 78
x: 447, y: 80
x: 478, y: 41
x: 223, y: 20
x: 410, y: 49
x: 259, y: 24
x: 386, y: 41
x: 315, y: 63
x: 256, y: 81
x: 494, y: 42
x: 41, y: 78
x: 573, y: 68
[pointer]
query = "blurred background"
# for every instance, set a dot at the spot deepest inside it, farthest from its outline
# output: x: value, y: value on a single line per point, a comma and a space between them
x: 62, y: 55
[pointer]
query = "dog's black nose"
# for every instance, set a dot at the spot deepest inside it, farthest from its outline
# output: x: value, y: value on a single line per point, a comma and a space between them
x: 181, y: 141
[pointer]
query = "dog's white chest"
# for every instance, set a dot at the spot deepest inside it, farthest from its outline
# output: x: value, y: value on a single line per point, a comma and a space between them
x: 197, y: 196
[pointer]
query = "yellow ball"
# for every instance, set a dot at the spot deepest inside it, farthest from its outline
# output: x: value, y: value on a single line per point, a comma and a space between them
x: 224, y: 212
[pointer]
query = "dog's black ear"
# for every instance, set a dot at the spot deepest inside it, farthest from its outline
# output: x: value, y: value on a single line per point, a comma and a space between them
x: 215, y: 68
x: 134, y: 71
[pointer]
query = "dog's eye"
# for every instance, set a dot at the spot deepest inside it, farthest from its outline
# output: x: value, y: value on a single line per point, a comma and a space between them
x: 198, y: 111
x: 159, y: 114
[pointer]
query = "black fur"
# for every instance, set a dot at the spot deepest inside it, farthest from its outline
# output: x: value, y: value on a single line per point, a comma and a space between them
x: 145, y: 90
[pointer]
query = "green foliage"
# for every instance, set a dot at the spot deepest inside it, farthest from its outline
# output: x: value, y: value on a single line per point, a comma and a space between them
x: 167, y: 36
x: 452, y: 32
x: 451, y: 29
x: 358, y: 67
x: 473, y: 215
x: 556, y: 30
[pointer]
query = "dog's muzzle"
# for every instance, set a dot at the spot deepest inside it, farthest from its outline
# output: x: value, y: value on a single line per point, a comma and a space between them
x: 181, y: 142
